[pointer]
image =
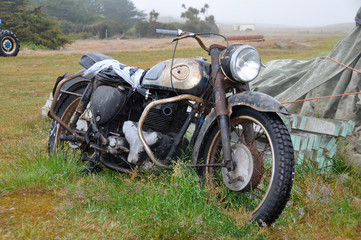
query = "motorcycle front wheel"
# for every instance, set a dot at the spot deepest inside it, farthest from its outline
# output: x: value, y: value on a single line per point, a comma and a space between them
x: 262, y: 151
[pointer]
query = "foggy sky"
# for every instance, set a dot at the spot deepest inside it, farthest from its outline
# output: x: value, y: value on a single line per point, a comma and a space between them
x: 302, y: 13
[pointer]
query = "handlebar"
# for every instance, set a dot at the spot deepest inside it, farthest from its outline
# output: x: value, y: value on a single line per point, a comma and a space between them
x: 182, y: 35
x: 169, y: 32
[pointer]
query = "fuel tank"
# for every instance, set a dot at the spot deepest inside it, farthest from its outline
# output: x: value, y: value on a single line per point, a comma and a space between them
x: 189, y: 76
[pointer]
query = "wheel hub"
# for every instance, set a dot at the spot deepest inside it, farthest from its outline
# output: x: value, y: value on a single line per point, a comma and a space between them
x: 239, y: 178
x: 7, y: 44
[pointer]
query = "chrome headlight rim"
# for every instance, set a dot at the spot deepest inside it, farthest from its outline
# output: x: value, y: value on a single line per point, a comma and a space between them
x: 229, y: 58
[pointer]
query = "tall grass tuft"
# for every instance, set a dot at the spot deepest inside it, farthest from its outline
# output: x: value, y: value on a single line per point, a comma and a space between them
x: 39, y: 171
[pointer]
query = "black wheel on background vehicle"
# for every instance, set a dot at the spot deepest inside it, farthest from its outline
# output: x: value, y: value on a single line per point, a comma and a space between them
x: 9, y: 44
x: 263, y: 153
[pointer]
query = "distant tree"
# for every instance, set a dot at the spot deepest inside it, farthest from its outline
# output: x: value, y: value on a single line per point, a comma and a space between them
x: 204, y: 10
x: 191, y: 15
x: 148, y: 28
x: 153, y: 16
x: 90, y: 11
x: 96, y: 17
x: 194, y: 22
x: 121, y: 11
x: 141, y: 29
x: 31, y: 24
x: 75, y: 11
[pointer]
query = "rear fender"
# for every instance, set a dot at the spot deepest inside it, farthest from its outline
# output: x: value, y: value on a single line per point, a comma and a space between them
x: 256, y: 100
x: 70, y: 86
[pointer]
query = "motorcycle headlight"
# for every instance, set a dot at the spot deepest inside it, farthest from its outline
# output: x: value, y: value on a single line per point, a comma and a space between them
x: 240, y: 63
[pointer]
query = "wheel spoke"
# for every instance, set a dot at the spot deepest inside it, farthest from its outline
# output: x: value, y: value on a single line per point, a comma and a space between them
x: 251, y: 135
x: 256, y: 195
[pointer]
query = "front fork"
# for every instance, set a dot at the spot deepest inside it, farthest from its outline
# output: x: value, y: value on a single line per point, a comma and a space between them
x: 82, y: 105
x: 222, y: 108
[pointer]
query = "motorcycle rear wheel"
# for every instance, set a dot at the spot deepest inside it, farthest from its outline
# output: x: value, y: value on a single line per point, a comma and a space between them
x: 82, y: 125
x: 54, y: 142
x: 263, y: 153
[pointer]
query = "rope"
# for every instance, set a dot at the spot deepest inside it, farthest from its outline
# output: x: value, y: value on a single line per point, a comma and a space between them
x: 309, y: 99
x: 339, y: 95
x: 343, y: 65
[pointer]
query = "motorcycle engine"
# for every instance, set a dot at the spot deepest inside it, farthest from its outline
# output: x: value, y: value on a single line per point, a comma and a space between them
x: 166, y: 118
x: 159, y: 130
x: 116, y: 115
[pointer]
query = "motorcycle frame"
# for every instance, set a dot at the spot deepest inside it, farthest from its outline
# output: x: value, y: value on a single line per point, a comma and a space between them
x: 223, y: 110
x: 201, y: 106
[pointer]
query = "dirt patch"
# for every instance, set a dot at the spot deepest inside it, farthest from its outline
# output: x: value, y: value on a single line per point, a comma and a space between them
x: 33, y: 206
x: 283, y: 41
x: 114, y: 45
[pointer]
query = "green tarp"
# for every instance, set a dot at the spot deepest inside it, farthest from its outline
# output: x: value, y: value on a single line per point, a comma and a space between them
x: 289, y: 80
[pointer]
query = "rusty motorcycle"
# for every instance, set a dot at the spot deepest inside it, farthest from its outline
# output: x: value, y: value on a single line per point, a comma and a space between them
x: 129, y: 119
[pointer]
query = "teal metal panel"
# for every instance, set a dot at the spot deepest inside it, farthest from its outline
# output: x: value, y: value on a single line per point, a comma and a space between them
x: 300, y: 157
x: 324, y: 141
x: 316, y: 137
x: 294, y: 121
x: 337, y: 129
x: 331, y: 144
x: 320, y: 159
x: 345, y: 130
x: 303, y: 123
x: 304, y: 143
x: 332, y: 151
x: 351, y: 127
x: 296, y: 140
x: 317, y: 143
x: 311, y: 140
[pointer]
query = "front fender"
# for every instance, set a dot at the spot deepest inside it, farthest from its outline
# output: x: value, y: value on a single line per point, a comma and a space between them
x: 256, y: 100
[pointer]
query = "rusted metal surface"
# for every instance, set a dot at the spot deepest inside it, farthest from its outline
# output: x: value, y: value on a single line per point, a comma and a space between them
x: 53, y: 104
x: 255, y: 38
x: 221, y: 107
x: 84, y: 100
x: 258, y: 101
x: 71, y: 93
x: 196, y: 37
x: 220, y: 95
x: 145, y: 114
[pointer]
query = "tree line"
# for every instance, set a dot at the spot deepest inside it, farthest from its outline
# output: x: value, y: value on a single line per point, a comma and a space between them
x: 193, y: 22
x: 52, y: 23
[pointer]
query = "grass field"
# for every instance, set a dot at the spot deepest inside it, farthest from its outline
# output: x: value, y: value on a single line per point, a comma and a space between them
x: 48, y: 198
